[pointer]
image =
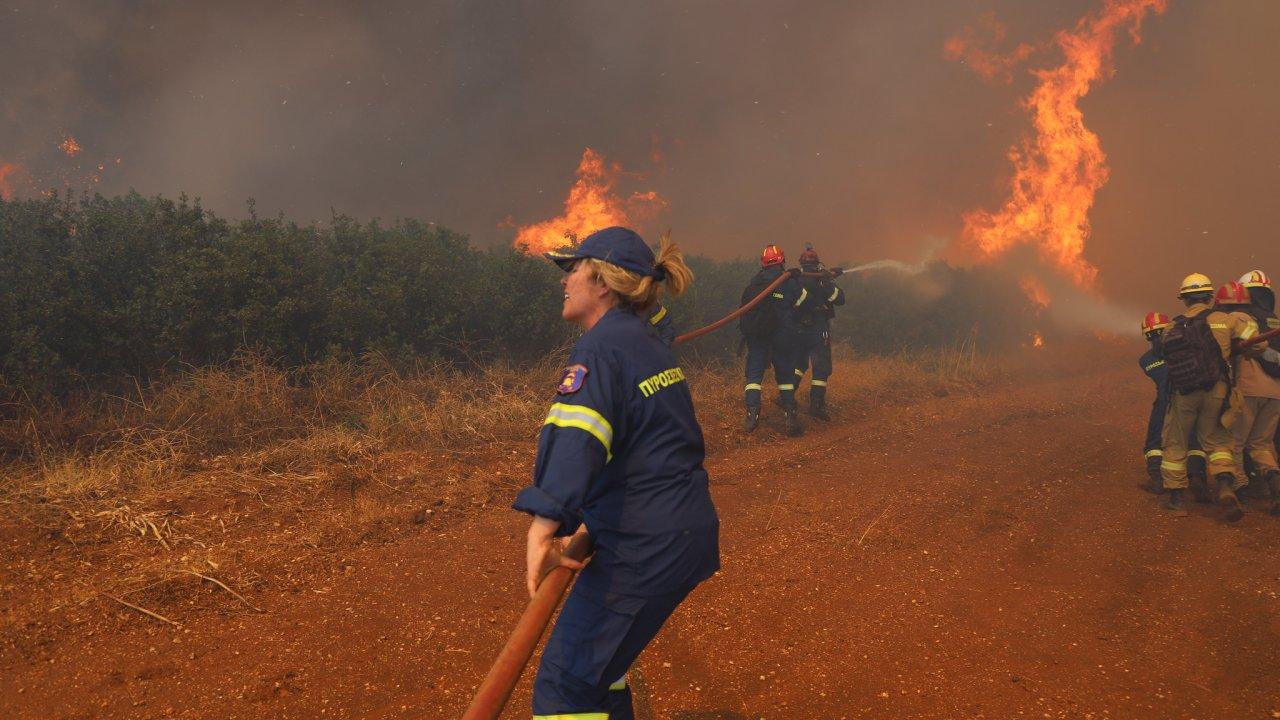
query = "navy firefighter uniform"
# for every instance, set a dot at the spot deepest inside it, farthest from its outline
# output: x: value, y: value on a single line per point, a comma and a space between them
x: 621, y: 452
x: 816, y: 324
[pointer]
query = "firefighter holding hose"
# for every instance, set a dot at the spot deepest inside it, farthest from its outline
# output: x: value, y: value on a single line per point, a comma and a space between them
x: 1198, y: 350
x: 772, y: 337
x: 816, y: 321
x: 1259, y: 382
x: 619, y: 456
x: 1153, y: 365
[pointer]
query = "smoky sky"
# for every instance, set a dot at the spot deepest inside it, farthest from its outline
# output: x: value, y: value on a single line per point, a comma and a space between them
x: 837, y: 123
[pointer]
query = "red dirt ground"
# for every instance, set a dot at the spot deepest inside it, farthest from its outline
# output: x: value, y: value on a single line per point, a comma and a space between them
x: 973, y: 556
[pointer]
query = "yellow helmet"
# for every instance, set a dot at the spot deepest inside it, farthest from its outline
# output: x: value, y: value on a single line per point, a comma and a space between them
x: 1255, y: 278
x: 1195, y: 283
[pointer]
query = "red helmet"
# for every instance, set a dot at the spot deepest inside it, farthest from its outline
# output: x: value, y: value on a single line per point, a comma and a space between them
x: 1155, y: 321
x: 1233, y: 293
x: 809, y: 258
x: 772, y: 255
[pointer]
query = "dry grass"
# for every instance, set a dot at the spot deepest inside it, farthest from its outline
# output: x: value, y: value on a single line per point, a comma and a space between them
x: 247, y: 474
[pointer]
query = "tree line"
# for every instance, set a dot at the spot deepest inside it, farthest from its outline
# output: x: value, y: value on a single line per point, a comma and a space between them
x: 94, y: 289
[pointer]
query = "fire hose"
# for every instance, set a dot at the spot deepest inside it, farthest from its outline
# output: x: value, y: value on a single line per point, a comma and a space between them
x: 495, y: 690
x: 753, y: 302
x: 1255, y: 340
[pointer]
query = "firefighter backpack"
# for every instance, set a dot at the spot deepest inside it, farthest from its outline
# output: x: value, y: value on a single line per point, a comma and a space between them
x: 1192, y: 354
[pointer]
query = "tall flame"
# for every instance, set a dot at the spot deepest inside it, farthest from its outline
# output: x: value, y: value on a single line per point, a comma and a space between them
x: 591, y: 205
x: 1058, y: 171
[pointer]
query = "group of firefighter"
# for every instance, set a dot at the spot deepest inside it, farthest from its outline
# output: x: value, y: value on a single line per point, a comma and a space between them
x: 789, y: 328
x: 1213, y: 425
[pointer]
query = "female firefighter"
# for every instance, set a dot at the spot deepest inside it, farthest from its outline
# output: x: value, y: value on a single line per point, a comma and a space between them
x: 620, y: 454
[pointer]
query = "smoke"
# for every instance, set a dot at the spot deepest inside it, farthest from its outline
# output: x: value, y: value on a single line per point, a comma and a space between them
x: 842, y: 124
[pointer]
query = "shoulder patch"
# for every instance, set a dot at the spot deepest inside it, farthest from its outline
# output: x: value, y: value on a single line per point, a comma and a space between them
x: 571, y: 381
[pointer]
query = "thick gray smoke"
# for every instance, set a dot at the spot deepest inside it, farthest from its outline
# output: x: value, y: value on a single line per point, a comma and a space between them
x: 837, y: 123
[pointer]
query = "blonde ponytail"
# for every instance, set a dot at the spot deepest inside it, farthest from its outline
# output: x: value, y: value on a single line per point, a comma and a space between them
x: 639, y: 293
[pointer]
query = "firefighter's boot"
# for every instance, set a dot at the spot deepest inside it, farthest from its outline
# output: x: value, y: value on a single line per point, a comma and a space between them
x: 1199, y: 485
x: 818, y: 408
x: 1227, y: 497
x: 752, y: 419
x: 1154, y: 483
x: 791, y: 415
x: 1172, y: 502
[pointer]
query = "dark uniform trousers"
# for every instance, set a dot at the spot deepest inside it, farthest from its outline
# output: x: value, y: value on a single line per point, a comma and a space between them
x: 780, y: 350
x: 817, y: 355
x: 597, y: 638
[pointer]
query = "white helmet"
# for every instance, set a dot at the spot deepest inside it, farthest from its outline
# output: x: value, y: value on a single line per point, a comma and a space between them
x: 1255, y: 279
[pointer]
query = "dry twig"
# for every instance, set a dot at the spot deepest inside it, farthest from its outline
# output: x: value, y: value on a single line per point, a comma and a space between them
x: 220, y: 584
x: 142, y: 610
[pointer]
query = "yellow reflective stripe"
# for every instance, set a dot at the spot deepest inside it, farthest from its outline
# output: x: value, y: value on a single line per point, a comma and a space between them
x: 818, y: 383
x: 583, y: 418
x: 804, y: 293
x: 1195, y: 453
x: 835, y: 294
x: 1222, y: 456
x: 1170, y: 465
x: 1249, y: 331
x: 1155, y: 453
x: 753, y: 386
x: 1273, y: 322
x: 799, y: 373
x: 788, y: 386
x: 778, y: 295
x: 657, y: 317
x: 574, y: 716
x: 619, y: 685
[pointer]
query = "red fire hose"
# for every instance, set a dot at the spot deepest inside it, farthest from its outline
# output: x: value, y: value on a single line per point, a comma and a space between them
x: 496, y: 689
x: 752, y: 303
x: 505, y: 673
x: 1255, y: 340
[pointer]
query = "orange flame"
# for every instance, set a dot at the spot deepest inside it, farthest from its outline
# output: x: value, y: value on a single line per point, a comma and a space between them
x: 70, y: 146
x: 1059, y: 170
x: 591, y: 205
x: 1037, y: 341
x: 8, y: 173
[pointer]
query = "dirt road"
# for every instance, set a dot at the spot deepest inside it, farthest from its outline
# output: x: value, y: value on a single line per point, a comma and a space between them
x: 978, y: 556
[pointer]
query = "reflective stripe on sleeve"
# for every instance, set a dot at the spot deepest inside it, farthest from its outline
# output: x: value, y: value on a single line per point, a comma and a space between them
x: 818, y: 383
x: 657, y: 317
x: 753, y: 386
x: 1195, y: 453
x: 834, y: 294
x: 1250, y: 329
x: 583, y: 418
x: 1155, y: 453
x: 804, y: 293
x: 620, y: 684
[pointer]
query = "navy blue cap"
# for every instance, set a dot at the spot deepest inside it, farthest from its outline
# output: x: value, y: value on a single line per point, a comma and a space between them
x: 616, y: 245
